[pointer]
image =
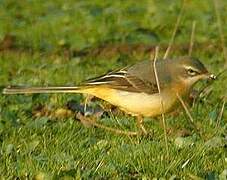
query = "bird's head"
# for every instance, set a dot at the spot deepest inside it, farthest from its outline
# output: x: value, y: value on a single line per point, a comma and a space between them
x: 188, y: 70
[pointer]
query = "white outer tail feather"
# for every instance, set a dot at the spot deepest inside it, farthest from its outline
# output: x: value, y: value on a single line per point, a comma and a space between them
x: 39, y: 90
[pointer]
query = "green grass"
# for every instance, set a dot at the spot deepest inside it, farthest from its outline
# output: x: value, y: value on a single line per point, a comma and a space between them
x: 57, y: 43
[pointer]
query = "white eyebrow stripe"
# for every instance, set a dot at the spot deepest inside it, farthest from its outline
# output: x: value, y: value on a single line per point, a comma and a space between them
x: 190, y: 67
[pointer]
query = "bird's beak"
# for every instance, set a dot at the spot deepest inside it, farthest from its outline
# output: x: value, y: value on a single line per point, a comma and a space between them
x: 211, y: 76
x: 208, y: 76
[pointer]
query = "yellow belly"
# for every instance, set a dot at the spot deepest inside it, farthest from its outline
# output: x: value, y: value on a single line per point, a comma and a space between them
x: 135, y: 103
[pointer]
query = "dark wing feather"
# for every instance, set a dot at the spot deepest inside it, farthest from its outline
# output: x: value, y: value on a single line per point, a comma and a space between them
x: 142, y: 85
x: 123, y: 80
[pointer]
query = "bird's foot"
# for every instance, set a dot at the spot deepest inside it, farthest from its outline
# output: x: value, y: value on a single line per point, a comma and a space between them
x: 88, y: 122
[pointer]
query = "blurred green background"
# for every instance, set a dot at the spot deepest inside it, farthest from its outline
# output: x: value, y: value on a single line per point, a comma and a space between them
x: 57, y: 42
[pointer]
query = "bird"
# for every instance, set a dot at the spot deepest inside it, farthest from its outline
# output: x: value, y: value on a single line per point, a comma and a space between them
x: 135, y: 89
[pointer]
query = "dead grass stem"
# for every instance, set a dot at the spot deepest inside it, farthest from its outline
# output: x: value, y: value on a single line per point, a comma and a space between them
x: 161, y: 100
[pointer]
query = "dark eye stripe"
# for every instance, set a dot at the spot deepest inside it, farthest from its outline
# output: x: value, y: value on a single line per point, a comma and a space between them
x: 192, y: 72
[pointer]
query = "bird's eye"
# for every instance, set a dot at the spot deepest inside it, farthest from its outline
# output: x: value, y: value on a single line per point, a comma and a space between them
x: 191, y: 72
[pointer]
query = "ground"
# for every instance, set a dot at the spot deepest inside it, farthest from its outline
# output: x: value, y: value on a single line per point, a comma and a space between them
x: 66, y: 42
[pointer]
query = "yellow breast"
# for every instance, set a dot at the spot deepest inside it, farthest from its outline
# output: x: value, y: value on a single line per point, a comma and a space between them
x: 136, y: 103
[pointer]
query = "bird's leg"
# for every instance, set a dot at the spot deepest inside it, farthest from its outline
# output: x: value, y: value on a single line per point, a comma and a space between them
x: 88, y: 122
x: 140, y: 124
x: 87, y: 100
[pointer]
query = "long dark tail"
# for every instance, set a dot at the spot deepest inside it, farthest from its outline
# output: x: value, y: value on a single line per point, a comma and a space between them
x: 37, y: 90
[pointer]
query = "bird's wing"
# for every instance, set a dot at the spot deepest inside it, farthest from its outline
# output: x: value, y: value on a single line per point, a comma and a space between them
x: 130, y: 79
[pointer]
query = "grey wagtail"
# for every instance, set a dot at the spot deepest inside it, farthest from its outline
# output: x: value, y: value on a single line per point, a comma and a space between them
x: 134, y: 89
